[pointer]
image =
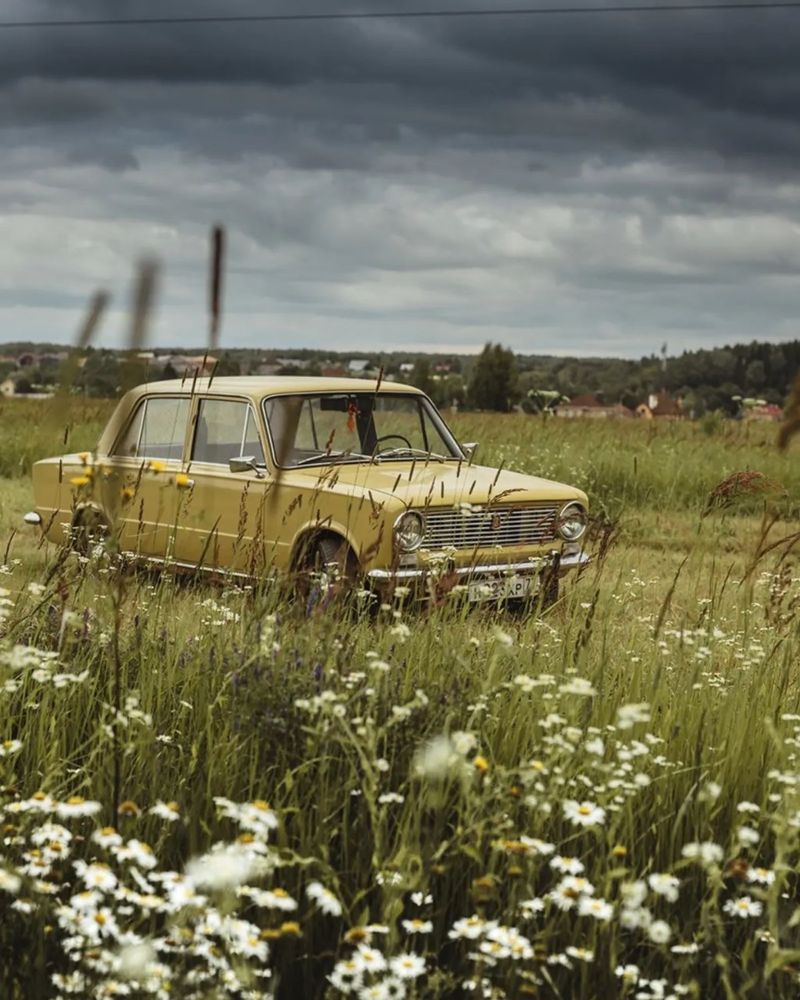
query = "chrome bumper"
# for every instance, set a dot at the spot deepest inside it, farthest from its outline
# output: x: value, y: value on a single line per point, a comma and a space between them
x: 32, y: 518
x: 573, y: 560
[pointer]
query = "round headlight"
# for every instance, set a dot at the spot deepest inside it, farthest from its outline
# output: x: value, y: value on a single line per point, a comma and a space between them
x: 572, y: 522
x: 409, y: 530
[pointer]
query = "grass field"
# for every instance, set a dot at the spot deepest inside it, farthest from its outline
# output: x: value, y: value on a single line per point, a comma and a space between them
x: 599, y: 802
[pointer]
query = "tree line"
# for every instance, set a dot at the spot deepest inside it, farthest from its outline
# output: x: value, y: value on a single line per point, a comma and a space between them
x: 707, y: 380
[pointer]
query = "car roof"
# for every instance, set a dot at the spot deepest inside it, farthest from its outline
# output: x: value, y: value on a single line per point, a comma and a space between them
x: 259, y: 386
x: 251, y: 386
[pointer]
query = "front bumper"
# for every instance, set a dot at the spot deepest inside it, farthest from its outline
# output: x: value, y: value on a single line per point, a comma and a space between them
x: 561, y: 564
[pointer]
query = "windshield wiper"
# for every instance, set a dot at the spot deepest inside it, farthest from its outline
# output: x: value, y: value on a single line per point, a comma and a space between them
x: 323, y: 457
x: 412, y: 452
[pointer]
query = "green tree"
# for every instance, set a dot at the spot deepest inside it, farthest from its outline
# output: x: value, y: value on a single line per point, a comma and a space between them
x: 755, y: 376
x: 100, y: 375
x: 493, y: 385
x: 227, y: 365
x: 421, y: 375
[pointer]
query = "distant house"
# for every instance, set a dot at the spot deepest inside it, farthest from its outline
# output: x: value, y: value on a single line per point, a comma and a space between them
x: 48, y: 359
x: 334, y: 371
x: 51, y: 360
x: 267, y: 368
x: 764, y: 412
x: 185, y: 365
x: 589, y: 405
x: 359, y: 366
x: 9, y: 386
x: 660, y: 405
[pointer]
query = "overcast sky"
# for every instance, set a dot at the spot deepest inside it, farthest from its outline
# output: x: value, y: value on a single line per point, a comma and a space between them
x: 589, y: 185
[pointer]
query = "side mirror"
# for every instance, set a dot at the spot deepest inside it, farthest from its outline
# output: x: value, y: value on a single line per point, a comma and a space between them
x: 245, y: 463
x: 468, y: 447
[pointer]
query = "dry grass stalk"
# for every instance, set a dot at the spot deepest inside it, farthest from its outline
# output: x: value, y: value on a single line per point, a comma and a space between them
x: 740, y: 486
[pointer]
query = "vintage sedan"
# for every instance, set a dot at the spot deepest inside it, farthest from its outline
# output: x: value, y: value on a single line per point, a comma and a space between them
x: 357, y: 480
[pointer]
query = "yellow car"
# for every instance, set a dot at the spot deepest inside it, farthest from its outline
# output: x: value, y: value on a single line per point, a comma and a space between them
x: 303, y: 475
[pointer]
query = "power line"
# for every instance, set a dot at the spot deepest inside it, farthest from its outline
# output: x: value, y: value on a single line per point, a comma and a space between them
x: 403, y: 15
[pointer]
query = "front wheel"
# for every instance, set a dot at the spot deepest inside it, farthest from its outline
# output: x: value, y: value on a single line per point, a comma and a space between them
x: 89, y: 528
x: 327, y: 573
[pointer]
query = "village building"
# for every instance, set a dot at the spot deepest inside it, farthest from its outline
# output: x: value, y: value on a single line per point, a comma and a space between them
x: 184, y: 365
x: 588, y: 405
x: 660, y: 405
x: 769, y: 412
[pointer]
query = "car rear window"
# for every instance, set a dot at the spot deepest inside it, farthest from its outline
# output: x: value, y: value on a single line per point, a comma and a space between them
x: 157, y: 430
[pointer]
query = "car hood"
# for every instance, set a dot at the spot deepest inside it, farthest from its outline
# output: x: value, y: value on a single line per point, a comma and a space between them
x: 438, y: 483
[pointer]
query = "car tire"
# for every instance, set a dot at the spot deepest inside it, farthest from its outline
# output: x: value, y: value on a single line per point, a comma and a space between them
x: 327, y: 573
x: 89, y: 527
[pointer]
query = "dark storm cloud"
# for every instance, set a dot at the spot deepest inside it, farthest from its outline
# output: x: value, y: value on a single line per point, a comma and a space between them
x: 572, y: 181
x: 455, y: 75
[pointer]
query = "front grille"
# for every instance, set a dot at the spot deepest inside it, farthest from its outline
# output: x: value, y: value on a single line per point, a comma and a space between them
x: 488, y: 527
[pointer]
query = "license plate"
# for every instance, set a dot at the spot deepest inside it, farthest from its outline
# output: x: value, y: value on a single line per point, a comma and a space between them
x: 502, y: 589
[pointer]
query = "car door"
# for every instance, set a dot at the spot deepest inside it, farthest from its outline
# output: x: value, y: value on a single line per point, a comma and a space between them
x: 141, y: 481
x: 221, y: 520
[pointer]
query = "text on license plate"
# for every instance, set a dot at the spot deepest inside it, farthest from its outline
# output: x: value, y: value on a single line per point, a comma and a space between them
x: 502, y: 589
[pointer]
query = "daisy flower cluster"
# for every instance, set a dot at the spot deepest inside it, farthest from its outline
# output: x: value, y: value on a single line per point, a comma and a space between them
x: 526, y: 824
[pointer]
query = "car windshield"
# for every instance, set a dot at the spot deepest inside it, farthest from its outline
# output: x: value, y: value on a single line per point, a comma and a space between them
x: 356, y: 427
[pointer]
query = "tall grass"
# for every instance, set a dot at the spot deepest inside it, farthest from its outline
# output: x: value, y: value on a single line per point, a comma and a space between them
x: 423, y: 767
x: 628, y: 465
x: 623, y: 464
x: 28, y: 432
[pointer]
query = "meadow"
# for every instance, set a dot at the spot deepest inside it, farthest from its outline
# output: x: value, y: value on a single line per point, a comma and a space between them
x: 213, y: 791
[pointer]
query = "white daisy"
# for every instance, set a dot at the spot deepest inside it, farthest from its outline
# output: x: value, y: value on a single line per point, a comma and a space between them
x: 584, y: 813
x: 324, y: 898
x: 597, y: 908
x: 762, y: 876
x: 664, y: 885
x: 407, y: 965
x: 743, y: 907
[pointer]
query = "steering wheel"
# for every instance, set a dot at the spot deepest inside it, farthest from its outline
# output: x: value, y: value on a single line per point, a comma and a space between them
x: 390, y: 437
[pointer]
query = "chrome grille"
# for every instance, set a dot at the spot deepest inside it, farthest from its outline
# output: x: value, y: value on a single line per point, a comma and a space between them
x: 489, y: 527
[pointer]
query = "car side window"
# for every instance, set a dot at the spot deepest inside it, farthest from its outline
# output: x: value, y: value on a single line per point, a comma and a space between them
x: 157, y: 430
x: 226, y: 429
x: 128, y: 444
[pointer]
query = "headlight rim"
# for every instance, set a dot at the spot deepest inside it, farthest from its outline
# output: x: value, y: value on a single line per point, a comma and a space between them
x: 396, y: 528
x: 564, y: 515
